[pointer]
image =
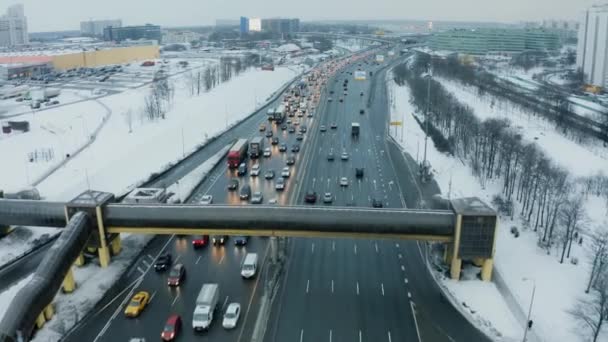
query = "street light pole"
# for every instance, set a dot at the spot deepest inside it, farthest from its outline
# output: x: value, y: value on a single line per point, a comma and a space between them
x: 428, y: 107
x: 530, y: 308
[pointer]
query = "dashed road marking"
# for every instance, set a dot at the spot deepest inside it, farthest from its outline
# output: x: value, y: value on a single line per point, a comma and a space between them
x: 312, y: 248
x: 301, y: 335
x: 197, y: 260
x: 400, y: 256
x: 376, y: 247
x: 355, y: 248
x: 403, y: 268
x: 307, y: 285
x: 357, y: 288
x: 175, y: 300
x: 332, y: 286
x: 382, y: 287
x: 406, y: 281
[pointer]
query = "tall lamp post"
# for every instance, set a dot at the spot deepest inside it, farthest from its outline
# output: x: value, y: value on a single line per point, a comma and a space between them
x: 526, y: 326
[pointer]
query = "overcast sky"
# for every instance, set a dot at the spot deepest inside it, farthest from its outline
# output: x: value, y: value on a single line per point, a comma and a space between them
x: 52, y: 15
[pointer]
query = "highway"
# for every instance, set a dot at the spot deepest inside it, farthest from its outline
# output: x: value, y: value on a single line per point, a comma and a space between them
x: 354, y: 290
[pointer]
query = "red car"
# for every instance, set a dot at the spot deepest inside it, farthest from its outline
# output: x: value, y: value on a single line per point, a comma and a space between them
x: 200, y: 241
x: 172, y: 328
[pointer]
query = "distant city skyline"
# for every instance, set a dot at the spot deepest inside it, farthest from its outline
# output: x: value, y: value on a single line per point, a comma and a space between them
x: 43, y: 15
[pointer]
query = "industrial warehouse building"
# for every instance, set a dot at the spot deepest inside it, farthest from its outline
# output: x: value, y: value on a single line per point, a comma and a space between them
x: 495, y: 41
x: 16, y: 65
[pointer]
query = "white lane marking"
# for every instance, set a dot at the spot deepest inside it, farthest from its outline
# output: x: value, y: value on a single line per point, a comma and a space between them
x: 412, y: 305
x: 375, y: 187
x: 176, y: 259
x: 376, y: 247
x: 332, y: 286
x: 152, y: 297
x: 330, y: 333
x: 197, y: 260
x: 360, y: 337
x: 221, y: 260
x: 301, y: 335
x: 175, y: 300
x: 400, y: 256
x: 397, y: 245
x: 389, y: 337
x: 406, y: 281
x: 145, y: 263
x: 355, y: 248
x: 312, y: 248
x: 307, y: 285
x: 357, y: 288
x: 141, y: 271
x: 409, y: 294
x: 333, y: 246
x: 151, y: 257
x: 225, y: 302
x: 382, y: 287
x: 403, y: 268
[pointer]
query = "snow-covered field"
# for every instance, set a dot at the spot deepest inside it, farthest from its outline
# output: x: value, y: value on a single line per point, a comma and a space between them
x: 557, y: 285
x: 21, y: 240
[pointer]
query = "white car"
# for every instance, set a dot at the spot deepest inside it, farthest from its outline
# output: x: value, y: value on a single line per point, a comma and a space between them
x: 344, y: 156
x: 255, y: 170
x: 267, y: 152
x: 257, y: 198
x: 207, y: 199
x: 328, y: 197
x: 285, y: 173
x: 273, y: 201
x: 343, y: 181
x: 231, y: 316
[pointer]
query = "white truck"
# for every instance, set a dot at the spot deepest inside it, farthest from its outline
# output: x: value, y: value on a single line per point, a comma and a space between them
x: 43, y: 94
x: 206, y: 304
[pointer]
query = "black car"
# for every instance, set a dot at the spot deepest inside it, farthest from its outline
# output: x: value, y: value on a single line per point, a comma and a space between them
x: 310, y: 197
x: 275, y: 141
x: 245, y: 192
x: 331, y: 91
x: 292, y: 129
x: 241, y: 240
x: 376, y: 203
x: 163, y: 262
x: 330, y: 156
x: 233, y: 185
x: 299, y: 137
x: 362, y: 111
x: 303, y: 129
x: 283, y: 148
x: 284, y: 127
x: 219, y: 239
x: 291, y: 160
x: 295, y: 148
x: 268, y: 133
x: 359, y: 172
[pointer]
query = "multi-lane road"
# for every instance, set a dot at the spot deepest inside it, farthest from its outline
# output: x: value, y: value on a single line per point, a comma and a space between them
x: 332, y: 289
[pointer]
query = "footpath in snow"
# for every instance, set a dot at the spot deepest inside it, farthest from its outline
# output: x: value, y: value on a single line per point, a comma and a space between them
x: 557, y: 285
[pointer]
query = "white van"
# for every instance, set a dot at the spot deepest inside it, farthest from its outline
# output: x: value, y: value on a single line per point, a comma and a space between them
x: 250, y: 265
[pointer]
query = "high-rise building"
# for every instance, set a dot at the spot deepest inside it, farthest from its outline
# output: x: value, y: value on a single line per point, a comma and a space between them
x: 13, y: 27
x: 119, y: 34
x: 95, y: 27
x: 280, y: 25
x: 244, y: 27
x: 592, y: 55
x: 255, y: 24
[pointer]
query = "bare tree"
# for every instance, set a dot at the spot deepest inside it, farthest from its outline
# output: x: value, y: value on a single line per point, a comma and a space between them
x: 599, y: 253
x: 570, y: 217
x: 591, y: 311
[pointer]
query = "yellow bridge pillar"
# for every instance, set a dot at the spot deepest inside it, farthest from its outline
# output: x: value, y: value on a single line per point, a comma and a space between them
x: 116, y: 245
x: 486, y: 269
x: 79, y: 260
x: 456, y: 262
x: 40, y: 320
x: 103, y: 250
x: 69, y: 284
x: 49, y: 311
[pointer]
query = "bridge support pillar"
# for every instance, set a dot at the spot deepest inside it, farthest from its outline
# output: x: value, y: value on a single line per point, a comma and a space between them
x: 49, y: 311
x: 79, y: 260
x: 104, y: 256
x: 69, y: 284
x: 40, y: 320
x: 116, y: 245
x: 455, y: 268
x: 103, y: 250
x: 274, y: 250
x: 486, y: 269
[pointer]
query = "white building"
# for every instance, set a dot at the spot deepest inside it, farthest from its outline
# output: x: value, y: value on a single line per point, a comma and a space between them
x: 255, y: 24
x: 95, y: 27
x: 180, y: 37
x: 13, y: 27
x: 592, y: 56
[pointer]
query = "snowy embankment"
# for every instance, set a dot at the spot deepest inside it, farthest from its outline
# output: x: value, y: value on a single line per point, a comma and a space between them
x: 183, y: 188
x: 557, y: 285
x: 122, y: 157
x: 22, y: 240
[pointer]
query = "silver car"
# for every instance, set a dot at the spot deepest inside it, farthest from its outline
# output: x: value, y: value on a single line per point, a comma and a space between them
x: 257, y: 198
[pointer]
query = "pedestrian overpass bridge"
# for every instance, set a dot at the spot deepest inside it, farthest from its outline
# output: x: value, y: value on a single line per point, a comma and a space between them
x: 93, y: 221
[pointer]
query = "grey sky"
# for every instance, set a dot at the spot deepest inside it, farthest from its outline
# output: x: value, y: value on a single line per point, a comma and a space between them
x: 50, y: 15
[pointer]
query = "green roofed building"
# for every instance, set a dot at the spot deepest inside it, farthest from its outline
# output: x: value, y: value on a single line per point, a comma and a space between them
x: 495, y: 41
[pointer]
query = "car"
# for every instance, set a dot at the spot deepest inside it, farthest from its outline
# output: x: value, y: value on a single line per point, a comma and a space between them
x: 362, y: 111
x: 200, y: 241
x: 207, y: 199
x: 341, y: 100
x: 219, y: 239
x: 262, y: 128
x: 344, y: 156
x: 274, y: 141
x: 283, y: 147
x: 334, y: 126
x: 267, y: 152
x: 376, y: 203
x: 329, y: 99
x: 269, y: 174
x: 280, y: 184
x: 300, y: 114
x: 343, y: 181
x: 309, y: 115
x: 299, y: 137
x: 268, y: 134
x: 323, y: 128
x: 172, y: 328
x: 345, y: 92
x: 361, y: 94
x: 273, y: 201
x: 177, y: 275
x: 257, y: 198
x: 285, y: 173
x: 163, y: 262
x: 137, y: 304
x: 255, y: 170
x: 331, y: 92
x: 291, y: 160
x: 330, y: 156
x: 233, y: 184
x: 303, y: 129
x: 242, y: 170
x: 295, y: 148
x: 231, y: 316
x: 284, y: 127
x: 328, y: 197
x: 310, y: 197
x: 359, y: 172
x: 241, y: 240
x: 296, y: 123
x: 292, y: 129
x: 245, y: 192
x: 289, y: 121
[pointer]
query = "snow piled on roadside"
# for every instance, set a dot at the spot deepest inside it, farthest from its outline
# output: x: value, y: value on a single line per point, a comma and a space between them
x: 23, y: 239
x: 7, y: 296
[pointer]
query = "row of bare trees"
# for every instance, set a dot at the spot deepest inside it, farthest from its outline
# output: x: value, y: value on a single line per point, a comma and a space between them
x: 548, y: 199
x: 158, y: 102
x: 228, y: 67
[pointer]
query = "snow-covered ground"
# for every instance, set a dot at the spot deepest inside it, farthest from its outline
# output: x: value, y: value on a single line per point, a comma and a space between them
x: 21, y: 240
x: 7, y: 296
x: 557, y: 285
x: 119, y: 158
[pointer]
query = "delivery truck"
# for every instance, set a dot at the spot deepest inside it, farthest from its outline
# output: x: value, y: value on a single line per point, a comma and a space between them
x: 206, y: 305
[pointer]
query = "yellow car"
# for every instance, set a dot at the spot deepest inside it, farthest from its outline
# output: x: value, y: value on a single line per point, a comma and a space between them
x: 137, y: 304
x: 262, y: 128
